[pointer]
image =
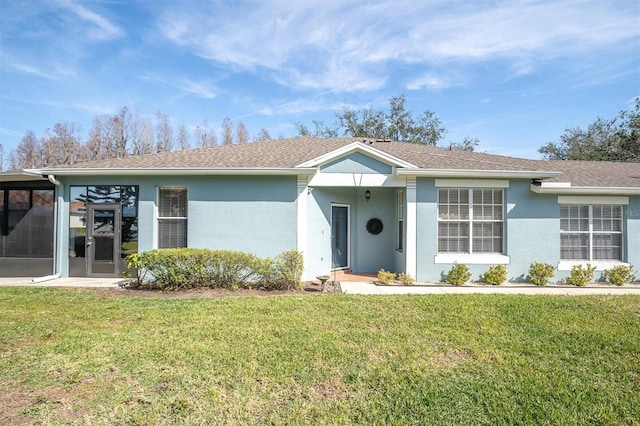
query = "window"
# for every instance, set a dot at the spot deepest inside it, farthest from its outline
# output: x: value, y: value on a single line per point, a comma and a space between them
x: 590, y: 232
x: 470, y: 220
x: 172, y: 217
x: 400, y: 215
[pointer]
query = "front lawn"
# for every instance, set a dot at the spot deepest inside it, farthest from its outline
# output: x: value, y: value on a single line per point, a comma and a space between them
x: 82, y: 357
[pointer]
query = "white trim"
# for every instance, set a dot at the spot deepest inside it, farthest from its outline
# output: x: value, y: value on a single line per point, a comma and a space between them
x: 584, y: 190
x: 356, y: 180
x: 348, y: 206
x: 356, y: 147
x: 471, y: 183
x: 157, y: 218
x: 473, y: 259
x: 301, y: 233
x: 516, y: 174
x: 243, y: 171
x: 577, y: 199
x: 410, y: 223
x: 601, y: 265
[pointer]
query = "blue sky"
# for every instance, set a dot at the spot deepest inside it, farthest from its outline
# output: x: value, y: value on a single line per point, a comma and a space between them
x: 513, y: 74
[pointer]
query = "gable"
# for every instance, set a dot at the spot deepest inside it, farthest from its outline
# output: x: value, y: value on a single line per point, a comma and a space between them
x: 356, y: 162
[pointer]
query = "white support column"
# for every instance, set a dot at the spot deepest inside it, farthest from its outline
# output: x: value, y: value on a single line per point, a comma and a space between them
x: 411, y: 260
x: 301, y: 237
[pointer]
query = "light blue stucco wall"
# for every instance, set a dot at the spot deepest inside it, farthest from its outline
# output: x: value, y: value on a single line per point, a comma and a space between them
x: 356, y: 162
x: 253, y: 214
x: 632, y: 233
x: 531, y: 231
x: 368, y: 253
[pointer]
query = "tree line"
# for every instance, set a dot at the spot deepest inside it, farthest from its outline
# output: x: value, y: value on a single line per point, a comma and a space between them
x: 128, y: 133
x: 116, y: 136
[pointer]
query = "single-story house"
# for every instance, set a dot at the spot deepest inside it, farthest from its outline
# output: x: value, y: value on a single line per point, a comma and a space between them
x: 345, y: 203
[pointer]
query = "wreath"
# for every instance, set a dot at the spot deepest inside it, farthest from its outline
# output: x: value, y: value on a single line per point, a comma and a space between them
x: 374, y: 226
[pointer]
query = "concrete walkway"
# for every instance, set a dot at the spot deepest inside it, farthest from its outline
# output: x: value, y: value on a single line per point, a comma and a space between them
x: 370, y: 288
x: 510, y: 288
x: 63, y: 282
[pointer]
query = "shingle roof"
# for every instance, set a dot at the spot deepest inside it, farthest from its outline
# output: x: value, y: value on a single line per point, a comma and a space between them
x: 289, y: 153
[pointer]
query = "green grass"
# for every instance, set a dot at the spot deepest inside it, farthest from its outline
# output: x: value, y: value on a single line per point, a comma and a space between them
x: 79, y: 357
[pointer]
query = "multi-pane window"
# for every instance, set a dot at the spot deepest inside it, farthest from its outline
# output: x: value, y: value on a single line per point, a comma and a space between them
x: 400, y: 215
x: 470, y: 220
x: 590, y: 232
x: 172, y: 217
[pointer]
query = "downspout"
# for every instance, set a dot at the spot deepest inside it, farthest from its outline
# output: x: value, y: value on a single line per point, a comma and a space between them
x: 56, y: 211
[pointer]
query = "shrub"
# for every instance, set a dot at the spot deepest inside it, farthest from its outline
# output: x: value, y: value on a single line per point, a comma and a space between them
x: 289, y: 265
x: 406, y: 279
x: 386, y: 277
x: 496, y: 275
x: 580, y: 275
x: 174, y: 269
x: 540, y: 273
x: 619, y: 275
x: 458, y: 274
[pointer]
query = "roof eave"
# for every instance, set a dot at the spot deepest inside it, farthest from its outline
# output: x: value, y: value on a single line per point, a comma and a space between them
x: 585, y: 190
x: 518, y: 174
x: 232, y: 171
x: 378, y: 154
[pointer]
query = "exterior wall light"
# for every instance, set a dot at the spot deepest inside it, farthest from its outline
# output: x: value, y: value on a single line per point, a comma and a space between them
x: 367, y: 195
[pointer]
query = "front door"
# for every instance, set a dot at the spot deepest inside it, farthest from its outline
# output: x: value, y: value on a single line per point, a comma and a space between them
x: 339, y: 236
x: 103, y: 240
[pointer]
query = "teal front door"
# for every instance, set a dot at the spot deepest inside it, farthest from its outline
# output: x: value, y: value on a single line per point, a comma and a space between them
x: 339, y: 236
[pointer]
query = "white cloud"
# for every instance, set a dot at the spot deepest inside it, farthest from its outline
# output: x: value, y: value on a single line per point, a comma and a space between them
x: 356, y: 45
x: 99, y: 28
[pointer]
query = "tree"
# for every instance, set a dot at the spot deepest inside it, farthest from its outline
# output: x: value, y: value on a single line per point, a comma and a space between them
x: 262, y: 136
x: 227, y: 131
x: 396, y: 123
x: 205, y: 137
x: 164, y: 133
x: 28, y: 153
x: 183, y: 137
x: 141, y: 134
x: 467, y: 144
x: 616, y: 139
x: 61, y: 146
x: 242, y: 134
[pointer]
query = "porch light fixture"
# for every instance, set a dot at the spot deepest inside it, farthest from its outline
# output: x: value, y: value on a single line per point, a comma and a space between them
x: 367, y: 195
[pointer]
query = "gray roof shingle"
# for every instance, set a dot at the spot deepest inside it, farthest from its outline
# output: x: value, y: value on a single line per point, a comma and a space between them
x: 289, y: 153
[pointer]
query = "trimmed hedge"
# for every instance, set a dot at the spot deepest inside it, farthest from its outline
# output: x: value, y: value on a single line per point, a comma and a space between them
x: 185, y: 268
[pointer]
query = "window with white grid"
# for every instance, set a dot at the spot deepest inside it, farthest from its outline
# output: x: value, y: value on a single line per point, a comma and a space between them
x: 172, y: 217
x: 590, y: 232
x: 470, y: 220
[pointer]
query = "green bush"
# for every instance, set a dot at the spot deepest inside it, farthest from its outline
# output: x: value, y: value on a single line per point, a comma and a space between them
x: 496, y: 275
x: 619, y: 275
x: 174, y: 269
x: 458, y: 274
x: 386, y: 277
x: 540, y: 273
x: 406, y: 279
x: 580, y: 275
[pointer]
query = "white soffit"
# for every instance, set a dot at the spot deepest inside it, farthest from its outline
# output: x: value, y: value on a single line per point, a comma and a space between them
x: 593, y: 199
x: 356, y: 180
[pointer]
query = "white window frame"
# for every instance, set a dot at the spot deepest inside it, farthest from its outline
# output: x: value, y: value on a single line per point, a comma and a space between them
x: 618, y: 201
x: 400, y: 226
x: 171, y: 218
x: 472, y: 257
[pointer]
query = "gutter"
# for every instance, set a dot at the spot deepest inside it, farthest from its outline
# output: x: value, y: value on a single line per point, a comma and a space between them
x: 516, y: 174
x: 584, y: 190
x: 56, y: 214
x: 176, y: 171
